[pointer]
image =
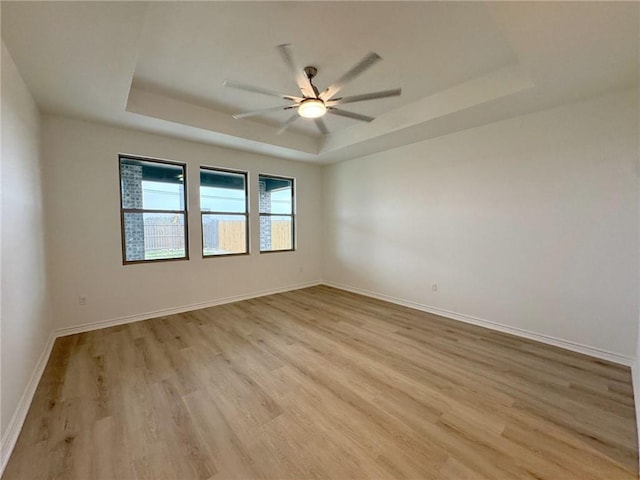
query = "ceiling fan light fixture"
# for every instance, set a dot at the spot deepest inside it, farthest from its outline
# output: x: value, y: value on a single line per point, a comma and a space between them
x: 312, y: 108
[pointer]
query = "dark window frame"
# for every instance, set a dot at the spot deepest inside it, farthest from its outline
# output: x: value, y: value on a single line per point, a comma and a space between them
x: 245, y: 214
x: 123, y: 210
x: 292, y: 214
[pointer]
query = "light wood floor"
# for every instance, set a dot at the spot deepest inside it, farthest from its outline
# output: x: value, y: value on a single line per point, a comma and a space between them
x: 317, y: 384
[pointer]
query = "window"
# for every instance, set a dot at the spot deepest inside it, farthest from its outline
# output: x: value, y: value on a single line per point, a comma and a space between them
x: 153, y: 210
x: 276, y: 213
x: 224, y: 207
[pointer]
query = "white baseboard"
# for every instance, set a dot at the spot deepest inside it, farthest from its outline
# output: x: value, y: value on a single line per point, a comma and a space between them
x: 11, y: 434
x: 519, y: 332
x: 87, y: 327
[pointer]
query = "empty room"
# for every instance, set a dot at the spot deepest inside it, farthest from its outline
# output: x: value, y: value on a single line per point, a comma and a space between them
x: 319, y: 240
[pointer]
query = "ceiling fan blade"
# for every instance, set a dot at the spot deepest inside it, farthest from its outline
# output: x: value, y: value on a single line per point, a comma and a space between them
x: 355, y: 116
x: 264, y: 91
x: 321, y: 126
x: 264, y: 110
x: 301, y: 80
x: 360, y: 67
x: 365, y: 96
x: 286, y: 124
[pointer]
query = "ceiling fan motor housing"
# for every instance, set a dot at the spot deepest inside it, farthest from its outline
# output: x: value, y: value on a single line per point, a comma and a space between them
x: 310, y: 72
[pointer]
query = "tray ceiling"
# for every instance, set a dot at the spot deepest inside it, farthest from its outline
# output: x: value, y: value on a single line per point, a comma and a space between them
x: 160, y: 66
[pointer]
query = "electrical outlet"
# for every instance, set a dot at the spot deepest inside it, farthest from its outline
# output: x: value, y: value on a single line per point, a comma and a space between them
x: 434, y: 287
x: 82, y: 300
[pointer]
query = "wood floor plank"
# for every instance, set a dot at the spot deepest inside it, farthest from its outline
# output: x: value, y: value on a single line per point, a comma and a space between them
x: 323, y: 384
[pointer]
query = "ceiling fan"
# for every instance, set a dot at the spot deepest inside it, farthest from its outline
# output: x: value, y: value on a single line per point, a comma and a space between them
x: 312, y: 103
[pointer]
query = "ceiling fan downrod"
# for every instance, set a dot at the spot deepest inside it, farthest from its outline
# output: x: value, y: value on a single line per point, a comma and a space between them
x: 311, y: 72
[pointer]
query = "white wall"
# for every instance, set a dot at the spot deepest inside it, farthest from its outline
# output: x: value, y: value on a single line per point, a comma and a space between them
x: 531, y: 223
x: 81, y: 166
x: 25, y: 315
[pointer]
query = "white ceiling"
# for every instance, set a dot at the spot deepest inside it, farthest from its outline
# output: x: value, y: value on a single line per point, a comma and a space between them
x: 159, y: 66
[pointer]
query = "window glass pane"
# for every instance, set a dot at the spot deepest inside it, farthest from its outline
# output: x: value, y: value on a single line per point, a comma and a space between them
x: 276, y: 233
x: 224, y: 234
x: 222, y: 191
x: 162, y: 196
x: 151, y: 185
x: 154, y: 236
x: 275, y: 195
